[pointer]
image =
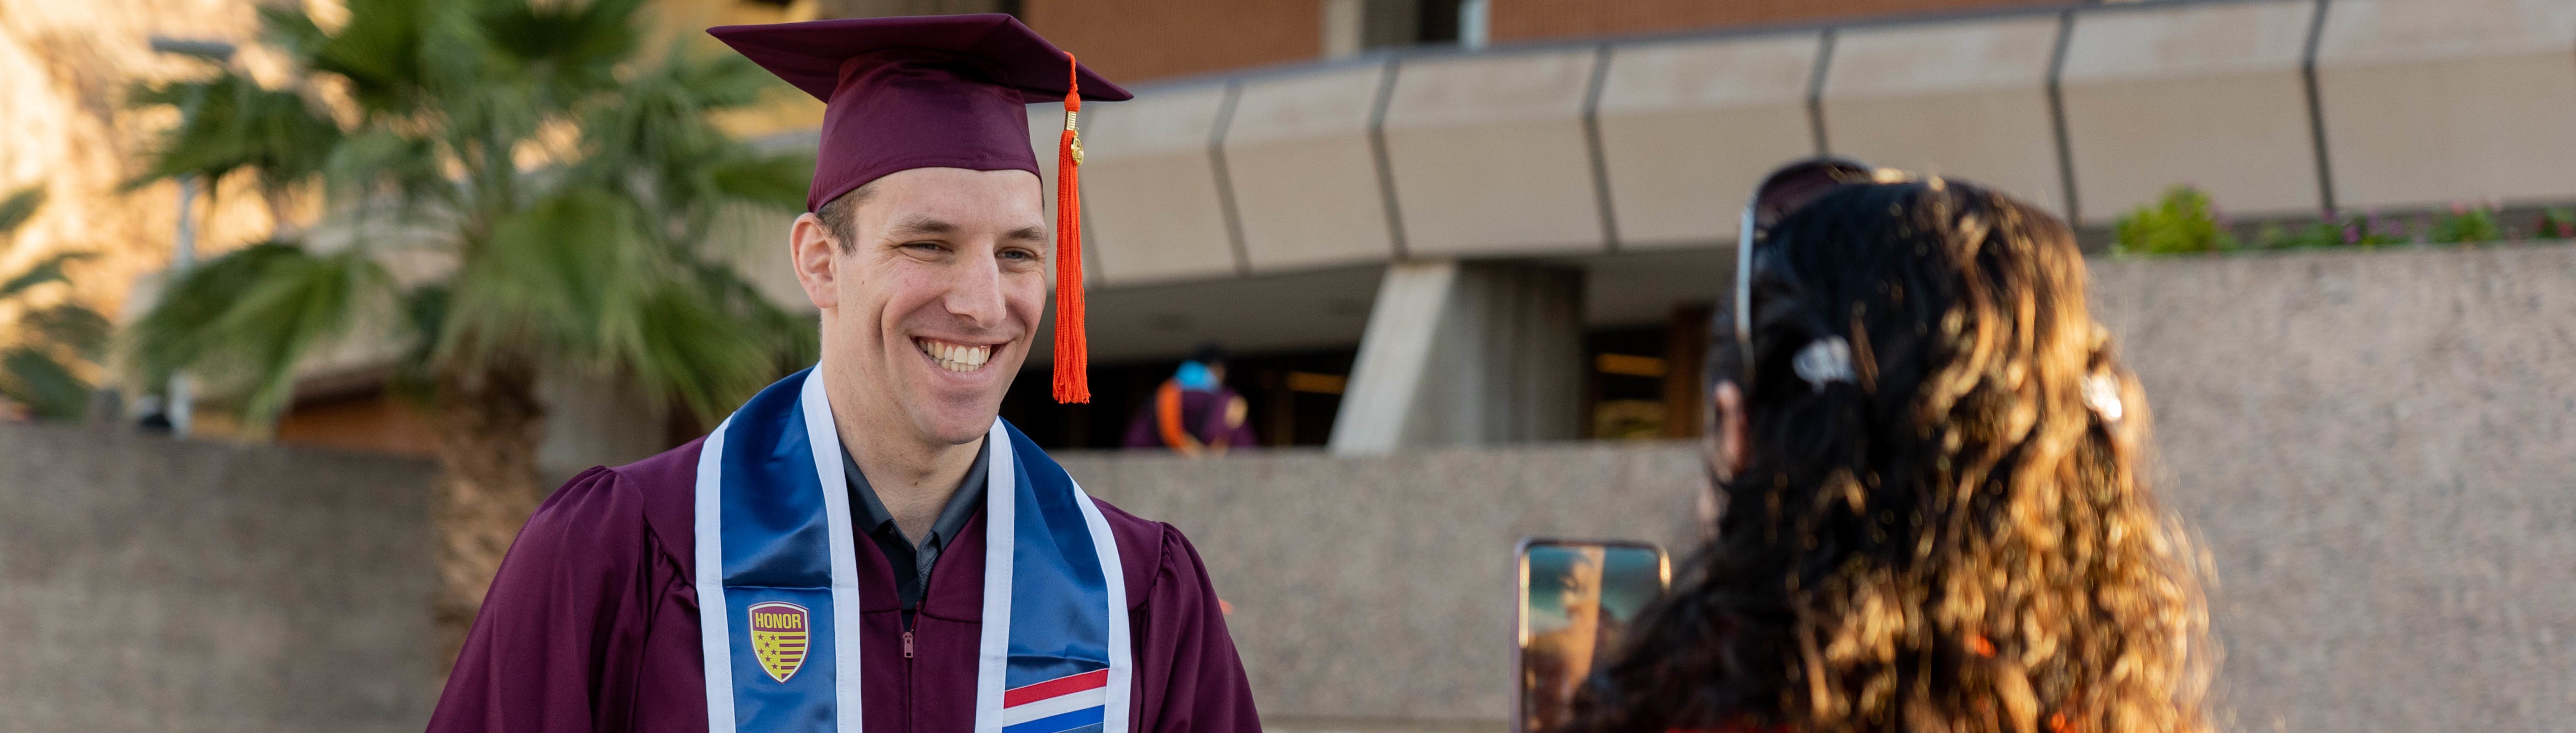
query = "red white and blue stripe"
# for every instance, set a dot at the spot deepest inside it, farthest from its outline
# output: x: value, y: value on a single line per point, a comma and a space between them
x: 773, y: 526
x: 1071, y: 703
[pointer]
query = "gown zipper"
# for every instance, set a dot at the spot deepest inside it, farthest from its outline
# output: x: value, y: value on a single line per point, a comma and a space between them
x: 910, y: 700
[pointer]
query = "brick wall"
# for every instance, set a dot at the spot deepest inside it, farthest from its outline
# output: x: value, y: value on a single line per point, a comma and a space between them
x: 1138, y: 40
x: 1524, y: 20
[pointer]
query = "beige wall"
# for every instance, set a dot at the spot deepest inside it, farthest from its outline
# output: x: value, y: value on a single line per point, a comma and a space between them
x: 2207, y: 94
x: 1305, y: 176
x: 1688, y: 126
x: 1952, y: 99
x: 1488, y: 154
x: 1152, y: 185
x: 2431, y: 103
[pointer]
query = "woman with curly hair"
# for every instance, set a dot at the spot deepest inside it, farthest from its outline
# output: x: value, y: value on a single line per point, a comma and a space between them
x: 1933, y: 510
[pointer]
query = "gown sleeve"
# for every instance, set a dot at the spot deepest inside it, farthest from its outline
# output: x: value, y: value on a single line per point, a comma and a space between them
x: 557, y: 642
x: 1188, y: 674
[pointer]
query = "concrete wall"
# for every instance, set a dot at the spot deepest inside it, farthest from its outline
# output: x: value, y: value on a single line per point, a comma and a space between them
x: 1377, y: 593
x: 149, y: 585
x: 2373, y: 446
x: 2379, y: 449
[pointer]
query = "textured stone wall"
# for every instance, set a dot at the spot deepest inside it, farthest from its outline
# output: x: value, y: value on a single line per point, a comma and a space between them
x: 150, y: 585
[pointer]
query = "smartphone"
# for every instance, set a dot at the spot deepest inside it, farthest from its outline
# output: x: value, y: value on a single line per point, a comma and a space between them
x: 1576, y: 597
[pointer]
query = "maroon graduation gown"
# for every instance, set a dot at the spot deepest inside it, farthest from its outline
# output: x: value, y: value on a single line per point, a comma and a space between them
x: 592, y: 624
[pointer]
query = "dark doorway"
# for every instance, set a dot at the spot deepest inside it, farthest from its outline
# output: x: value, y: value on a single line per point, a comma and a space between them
x: 1292, y: 396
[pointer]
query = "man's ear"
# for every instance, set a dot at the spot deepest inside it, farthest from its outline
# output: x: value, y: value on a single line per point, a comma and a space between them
x: 810, y: 247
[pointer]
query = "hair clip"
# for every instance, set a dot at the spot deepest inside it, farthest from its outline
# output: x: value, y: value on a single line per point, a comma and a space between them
x: 2102, y: 393
x: 1824, y: 361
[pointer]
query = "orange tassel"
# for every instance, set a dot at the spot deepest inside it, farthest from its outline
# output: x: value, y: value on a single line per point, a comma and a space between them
x: 1072, y: 349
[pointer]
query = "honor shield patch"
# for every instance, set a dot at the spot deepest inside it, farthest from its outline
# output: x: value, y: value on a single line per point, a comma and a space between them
x: 779, y: 631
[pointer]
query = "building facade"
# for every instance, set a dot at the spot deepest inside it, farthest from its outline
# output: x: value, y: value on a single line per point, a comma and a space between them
x: 1432, y: 223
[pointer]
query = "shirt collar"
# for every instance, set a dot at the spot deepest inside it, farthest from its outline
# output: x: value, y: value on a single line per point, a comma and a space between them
x: 961, y: 508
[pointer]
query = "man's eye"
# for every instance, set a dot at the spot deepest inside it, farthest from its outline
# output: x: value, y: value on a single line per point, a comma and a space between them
x: 1019, y: 254
x: 927, y: 246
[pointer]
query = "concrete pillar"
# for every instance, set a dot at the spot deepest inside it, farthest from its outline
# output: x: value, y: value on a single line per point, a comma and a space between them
x: 1466, y: 354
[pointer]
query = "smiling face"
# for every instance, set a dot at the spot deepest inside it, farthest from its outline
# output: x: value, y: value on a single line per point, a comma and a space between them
x: 931, y: 304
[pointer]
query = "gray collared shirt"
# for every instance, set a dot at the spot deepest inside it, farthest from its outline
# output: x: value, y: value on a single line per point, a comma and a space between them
x: 911, y: 561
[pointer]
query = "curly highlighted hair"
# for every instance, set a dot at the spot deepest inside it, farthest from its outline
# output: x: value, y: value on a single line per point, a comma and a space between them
x: 1955, y: 537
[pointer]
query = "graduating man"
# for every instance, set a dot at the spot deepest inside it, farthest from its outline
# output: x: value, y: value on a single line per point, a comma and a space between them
x: 863, y: 546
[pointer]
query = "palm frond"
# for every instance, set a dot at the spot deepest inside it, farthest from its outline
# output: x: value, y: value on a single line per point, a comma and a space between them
x: 70, y: 326
x: 424, y: 315
x: 289, y: 29
x: 571, y: 279
x: 381, y: 161
x: 229, y: 123
x: 538, y: 284
x: 590, y: 263
x: 789, y: 338
x: 657, y: 146
x: 44, y: 384
x: 47, y: 270
x: 676, y: 342
x: 384, y: 52
x: 246, y: 320
x: 20, y: 206
x: 560, y: 51
x: 776, y: 181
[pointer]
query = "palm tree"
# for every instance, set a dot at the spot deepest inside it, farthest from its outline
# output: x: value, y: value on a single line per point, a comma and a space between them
x: 43, y: 356
x: 567, y: 176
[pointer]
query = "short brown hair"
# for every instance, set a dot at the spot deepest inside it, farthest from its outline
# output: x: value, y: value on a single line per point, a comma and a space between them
x: 840, y: 216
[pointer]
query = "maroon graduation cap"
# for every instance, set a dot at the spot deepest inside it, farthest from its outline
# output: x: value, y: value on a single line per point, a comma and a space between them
x: 942, y: 91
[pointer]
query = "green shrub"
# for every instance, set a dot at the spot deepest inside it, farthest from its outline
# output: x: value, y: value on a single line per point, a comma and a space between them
x: 2184, y: 221
x: 2466, y: 225
x: 2347, y: 230
x: 2556, y: 224
x: 2319, y: 233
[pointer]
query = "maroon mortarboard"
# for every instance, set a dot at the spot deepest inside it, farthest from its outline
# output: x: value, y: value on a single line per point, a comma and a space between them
x: 945, y: 91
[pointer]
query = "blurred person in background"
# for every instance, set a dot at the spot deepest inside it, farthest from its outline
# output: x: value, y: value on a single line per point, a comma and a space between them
x: 1194, y: 413
x: 1931, y: 504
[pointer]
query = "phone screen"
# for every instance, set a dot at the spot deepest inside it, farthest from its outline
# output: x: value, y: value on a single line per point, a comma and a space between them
x: 1576, y: 598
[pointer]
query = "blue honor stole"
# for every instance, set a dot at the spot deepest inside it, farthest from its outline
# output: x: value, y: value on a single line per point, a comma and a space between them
x: 778, y: 595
